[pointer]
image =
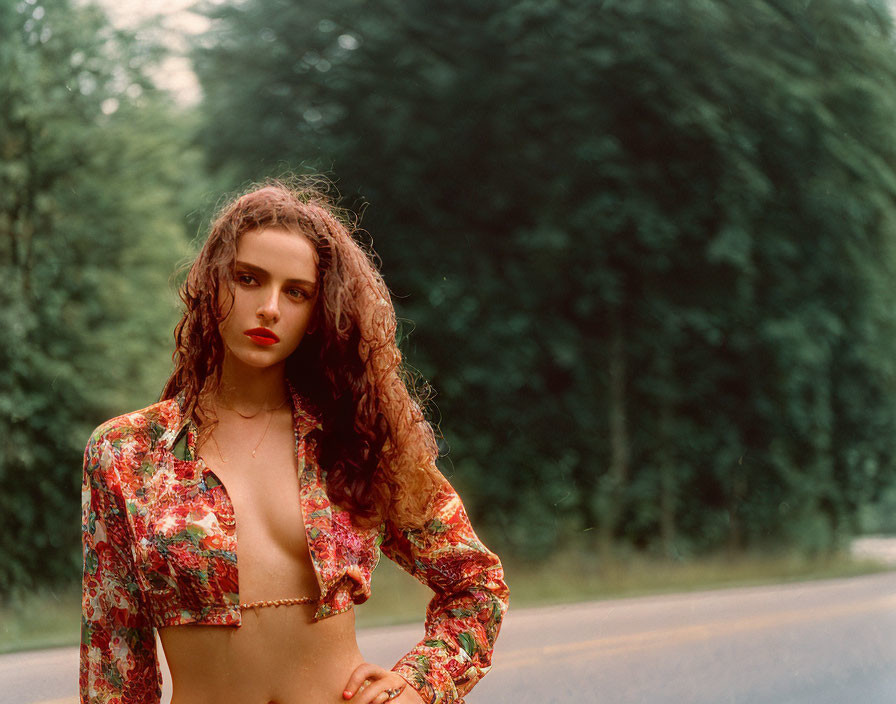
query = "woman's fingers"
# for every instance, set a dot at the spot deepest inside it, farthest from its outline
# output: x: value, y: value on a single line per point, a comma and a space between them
x: 390, y: 692
x: 364, y: 672
x: 371, y: 684
x: 374, y: 693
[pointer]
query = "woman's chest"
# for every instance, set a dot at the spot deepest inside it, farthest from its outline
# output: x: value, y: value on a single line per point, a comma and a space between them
x: 262, y: 491
x: 193, y: 518
x: 193, y: 524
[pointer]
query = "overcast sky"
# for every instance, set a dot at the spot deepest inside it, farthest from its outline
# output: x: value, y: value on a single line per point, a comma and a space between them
x: 174, y: 19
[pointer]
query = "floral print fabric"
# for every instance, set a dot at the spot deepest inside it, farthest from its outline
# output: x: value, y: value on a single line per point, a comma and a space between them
x: 159, y: 549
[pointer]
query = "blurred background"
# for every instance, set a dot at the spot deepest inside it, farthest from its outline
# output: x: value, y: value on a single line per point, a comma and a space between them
x: 644, y: 252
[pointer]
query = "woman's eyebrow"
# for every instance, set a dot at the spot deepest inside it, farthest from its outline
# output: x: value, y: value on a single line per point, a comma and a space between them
x: 258, y: 270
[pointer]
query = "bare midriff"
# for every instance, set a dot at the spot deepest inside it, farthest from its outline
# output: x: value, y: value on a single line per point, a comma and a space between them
x: 278, y: 654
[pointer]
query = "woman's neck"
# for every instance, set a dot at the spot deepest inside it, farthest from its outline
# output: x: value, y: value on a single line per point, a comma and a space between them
x: 250, y: 389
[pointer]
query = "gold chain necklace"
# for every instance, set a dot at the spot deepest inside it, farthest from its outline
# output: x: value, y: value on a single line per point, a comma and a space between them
x: 263, y: 435
x: 243, y: 415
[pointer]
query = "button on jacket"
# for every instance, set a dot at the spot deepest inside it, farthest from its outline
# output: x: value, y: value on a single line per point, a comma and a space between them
x: 159, y: 548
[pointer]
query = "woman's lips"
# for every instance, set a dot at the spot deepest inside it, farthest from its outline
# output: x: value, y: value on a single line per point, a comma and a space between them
x: 262, y: 336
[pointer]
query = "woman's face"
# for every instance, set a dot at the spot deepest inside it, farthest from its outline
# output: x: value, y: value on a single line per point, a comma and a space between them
x: 275, y: 290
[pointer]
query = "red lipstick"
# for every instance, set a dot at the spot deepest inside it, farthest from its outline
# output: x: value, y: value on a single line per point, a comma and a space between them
x: 262, y: 336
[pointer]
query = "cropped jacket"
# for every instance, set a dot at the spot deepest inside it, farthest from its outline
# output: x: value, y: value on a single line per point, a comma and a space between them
x: 159, y: 549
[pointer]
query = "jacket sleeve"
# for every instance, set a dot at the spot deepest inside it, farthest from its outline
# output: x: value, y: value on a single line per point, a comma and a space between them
x: 465, y: 614
x: 118, y: 647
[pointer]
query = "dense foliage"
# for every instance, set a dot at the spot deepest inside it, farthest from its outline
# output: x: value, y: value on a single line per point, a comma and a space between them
x: 90, y: 232
x: 644, y: 251
x: 647, y: 247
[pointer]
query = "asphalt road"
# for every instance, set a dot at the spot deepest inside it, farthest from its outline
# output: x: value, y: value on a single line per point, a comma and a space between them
x: 825, y: 642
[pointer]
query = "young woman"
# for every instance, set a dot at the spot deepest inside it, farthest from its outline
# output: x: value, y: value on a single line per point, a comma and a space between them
x: 243, y: 514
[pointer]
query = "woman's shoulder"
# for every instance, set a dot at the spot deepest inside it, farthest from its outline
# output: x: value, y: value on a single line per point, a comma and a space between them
x: 135, y: 432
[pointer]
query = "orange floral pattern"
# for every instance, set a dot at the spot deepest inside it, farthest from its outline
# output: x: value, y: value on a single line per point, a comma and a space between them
x: 159, y: 549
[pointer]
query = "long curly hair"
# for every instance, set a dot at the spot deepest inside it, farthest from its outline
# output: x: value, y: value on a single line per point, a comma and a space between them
x: 376, y: 446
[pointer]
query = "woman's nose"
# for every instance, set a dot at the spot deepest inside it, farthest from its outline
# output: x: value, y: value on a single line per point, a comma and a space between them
x: 269, y: 307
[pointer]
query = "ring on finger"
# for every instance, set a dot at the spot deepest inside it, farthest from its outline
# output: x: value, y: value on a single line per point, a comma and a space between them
x: 392, y: 693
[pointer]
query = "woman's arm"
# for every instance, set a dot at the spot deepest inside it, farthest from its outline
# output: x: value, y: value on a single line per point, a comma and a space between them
x: 118, y: 647
x: 471, y: 597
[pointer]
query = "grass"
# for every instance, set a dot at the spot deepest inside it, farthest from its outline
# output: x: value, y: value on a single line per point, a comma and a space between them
x: 570, y: 578
x: 41, y: 619
x: 51, y: 618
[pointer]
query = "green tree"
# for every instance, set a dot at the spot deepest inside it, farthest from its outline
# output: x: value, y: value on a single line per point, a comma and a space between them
x: 647, y: 246
x: 91, y: 227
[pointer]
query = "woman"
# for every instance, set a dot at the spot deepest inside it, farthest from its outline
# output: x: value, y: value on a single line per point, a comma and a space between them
x: 287, y: 408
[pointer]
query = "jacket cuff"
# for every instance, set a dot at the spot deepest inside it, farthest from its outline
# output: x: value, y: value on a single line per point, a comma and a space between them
x: 423, y: 670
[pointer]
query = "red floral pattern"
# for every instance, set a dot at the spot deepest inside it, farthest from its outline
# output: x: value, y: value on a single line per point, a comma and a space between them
x: 159, y: 548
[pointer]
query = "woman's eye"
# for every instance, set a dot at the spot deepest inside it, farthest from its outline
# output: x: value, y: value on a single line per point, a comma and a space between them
x: 297, y: 293
x: 245, y: 278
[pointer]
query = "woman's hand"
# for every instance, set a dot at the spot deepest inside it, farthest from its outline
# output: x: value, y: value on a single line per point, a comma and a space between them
x: 372, y: 684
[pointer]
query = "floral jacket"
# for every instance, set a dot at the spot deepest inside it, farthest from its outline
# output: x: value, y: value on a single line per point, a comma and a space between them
x: 159, y: 548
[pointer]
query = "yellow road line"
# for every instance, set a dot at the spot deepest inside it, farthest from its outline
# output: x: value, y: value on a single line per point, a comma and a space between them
x: 682, y: 634
x: 614, y: 645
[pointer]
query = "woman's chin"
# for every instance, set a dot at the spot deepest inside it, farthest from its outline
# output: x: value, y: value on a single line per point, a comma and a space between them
x: 256, y: 359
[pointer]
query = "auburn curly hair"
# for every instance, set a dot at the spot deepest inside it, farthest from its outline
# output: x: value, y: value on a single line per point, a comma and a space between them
x: 376, y: 445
